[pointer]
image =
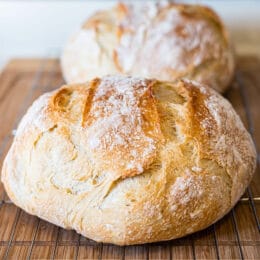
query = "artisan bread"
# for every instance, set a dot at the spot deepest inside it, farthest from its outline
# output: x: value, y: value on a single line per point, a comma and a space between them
x: 127, y: 160
x: 164, y: 41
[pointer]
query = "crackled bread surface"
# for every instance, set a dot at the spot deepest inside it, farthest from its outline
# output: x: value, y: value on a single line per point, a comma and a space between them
x: 129, y: 160
x: 165, y: 41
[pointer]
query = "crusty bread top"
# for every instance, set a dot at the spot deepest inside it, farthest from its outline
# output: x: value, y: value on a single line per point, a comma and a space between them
x: 121, y: 121
x: 128, y: 123
x: 166, y: 41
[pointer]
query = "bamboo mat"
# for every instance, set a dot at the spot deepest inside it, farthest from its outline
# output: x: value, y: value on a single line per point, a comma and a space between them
x: 22, y: 236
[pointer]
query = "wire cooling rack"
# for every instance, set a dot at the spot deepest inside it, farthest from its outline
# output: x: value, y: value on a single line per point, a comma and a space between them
x: 23, y: 236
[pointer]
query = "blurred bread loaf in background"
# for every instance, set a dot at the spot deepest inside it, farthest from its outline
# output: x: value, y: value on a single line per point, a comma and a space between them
x: 163, y: 40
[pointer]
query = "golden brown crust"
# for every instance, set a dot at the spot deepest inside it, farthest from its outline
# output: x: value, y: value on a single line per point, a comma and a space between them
x: 163, y: 41
x: 127, y: 160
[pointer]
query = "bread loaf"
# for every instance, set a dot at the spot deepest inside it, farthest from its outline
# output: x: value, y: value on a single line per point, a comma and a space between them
x: 165, y: 41
x: 127, y: 160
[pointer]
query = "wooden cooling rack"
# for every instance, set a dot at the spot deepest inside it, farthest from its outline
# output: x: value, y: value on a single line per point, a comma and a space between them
x: 23, y: 236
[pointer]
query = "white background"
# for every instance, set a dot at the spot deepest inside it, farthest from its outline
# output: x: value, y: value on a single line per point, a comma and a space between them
x: 39, y: 28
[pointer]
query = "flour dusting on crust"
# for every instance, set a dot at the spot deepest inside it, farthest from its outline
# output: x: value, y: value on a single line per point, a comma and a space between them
x: 192, y: 42
x: 119, y: 128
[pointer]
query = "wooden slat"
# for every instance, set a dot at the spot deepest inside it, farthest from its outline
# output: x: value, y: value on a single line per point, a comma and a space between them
x: 91, y: 249
x: 112, y: 252
x: 136, y: 252
x: 42, y: 252
x: 2, y: 251
x: 46, y: 232
x: 246, y: 224
x: 205, y: 240
x: 258, y: 210
x: 204, y: 237
x: 229, y: 252
x: 205, y: 252
x: 89, y: 252
x: 7, y: 219
x: 8, y: 80
x: 14, y: 101
x: 251, y: 252
x: 225, y: 230
x: 65, y: 252
x: 18, y: 252
x: 25, y: 227
x: 182, y: 252
x: 160, y: 251
x: 2, y: 191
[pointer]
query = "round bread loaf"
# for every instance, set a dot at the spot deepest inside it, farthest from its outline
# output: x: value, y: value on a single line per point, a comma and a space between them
x: 163, y: 41
x: 128, y: 160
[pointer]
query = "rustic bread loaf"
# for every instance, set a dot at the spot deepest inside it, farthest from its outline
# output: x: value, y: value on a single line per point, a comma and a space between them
x: 127, y: 160
x: 163, y: 41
